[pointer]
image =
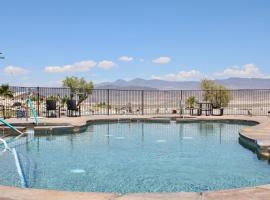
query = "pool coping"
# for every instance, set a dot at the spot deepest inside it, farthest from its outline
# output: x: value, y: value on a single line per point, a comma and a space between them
x: 256, y: 138
x: 14, y: 193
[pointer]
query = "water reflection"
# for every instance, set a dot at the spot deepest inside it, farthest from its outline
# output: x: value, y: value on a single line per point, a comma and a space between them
x: 112, y: 131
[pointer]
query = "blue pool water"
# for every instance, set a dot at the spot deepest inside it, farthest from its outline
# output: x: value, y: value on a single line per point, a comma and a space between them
x: 139, y: 157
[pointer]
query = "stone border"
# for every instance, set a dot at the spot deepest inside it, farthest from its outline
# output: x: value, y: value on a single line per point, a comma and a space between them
x: 256, y: 138
x: 250, y: 193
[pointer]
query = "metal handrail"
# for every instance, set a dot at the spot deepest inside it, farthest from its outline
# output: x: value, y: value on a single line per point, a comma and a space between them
x: 6, y: 147
x: 17, y: 162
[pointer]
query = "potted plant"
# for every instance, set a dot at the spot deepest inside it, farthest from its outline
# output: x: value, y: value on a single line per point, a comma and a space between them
x: 218, y: 95
x: 190, y: 103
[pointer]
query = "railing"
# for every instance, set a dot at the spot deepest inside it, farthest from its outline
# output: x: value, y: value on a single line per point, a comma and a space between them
x: 17, y: 162
x: 132, y: 102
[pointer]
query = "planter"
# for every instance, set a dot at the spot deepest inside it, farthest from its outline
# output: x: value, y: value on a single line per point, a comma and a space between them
x: 221, y: 111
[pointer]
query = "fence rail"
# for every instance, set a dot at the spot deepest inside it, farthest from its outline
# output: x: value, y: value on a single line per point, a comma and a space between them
x: 132, y: 102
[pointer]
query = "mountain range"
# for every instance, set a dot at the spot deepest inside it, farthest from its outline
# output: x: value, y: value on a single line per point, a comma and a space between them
x: 142, y: 84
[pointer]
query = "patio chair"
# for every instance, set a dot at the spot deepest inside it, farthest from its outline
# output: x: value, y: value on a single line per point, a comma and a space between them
x: 51, y: 109
x: 73, y: 110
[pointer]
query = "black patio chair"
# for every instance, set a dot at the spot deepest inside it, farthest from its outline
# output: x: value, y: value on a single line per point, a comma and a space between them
x: 51, y: 109
x: 73, y: 110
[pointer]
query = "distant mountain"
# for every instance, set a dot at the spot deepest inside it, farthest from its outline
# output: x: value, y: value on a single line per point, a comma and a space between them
x: 142, y: 84
x: 246, y: 83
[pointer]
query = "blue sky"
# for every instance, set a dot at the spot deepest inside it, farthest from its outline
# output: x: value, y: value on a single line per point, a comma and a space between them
x: 103, y: 40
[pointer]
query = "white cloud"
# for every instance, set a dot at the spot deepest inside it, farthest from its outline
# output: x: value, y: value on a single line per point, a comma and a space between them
x: 126, y: 58
x: 162, y: 60
x: 181, y: 76
x: 106, y: 64
x: 14, y: 71
x: 245, y: 71
x: 76, y: 67
x: 141, y: 60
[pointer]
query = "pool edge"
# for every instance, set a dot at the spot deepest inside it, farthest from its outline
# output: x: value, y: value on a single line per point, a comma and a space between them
x: 14, y: 193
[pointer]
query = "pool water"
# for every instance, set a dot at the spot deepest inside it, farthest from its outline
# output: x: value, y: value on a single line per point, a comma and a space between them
x: 139, y: 157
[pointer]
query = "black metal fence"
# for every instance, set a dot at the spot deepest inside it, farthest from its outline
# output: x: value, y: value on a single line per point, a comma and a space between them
x: 131, y: 102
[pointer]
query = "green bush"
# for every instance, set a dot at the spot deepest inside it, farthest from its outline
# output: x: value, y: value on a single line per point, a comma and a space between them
x: 54, y: 98
x: 215, y: 93
x: 103, y: 105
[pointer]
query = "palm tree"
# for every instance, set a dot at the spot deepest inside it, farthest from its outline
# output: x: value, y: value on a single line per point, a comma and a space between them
x: 6, y: 93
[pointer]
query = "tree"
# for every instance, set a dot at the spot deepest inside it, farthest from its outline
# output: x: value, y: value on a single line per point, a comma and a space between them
x: 215, y: 93
x: 78, y: 86
x: 5, y: 91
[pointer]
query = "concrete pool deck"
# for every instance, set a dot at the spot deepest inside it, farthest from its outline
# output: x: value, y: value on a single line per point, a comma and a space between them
x: 255, y: 137
x: 254, y: 193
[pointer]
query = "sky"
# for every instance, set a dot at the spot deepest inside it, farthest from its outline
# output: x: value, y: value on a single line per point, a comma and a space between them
x: 104, y: 40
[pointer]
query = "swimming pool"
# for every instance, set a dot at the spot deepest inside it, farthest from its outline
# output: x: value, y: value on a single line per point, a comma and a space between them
x: 138, y: 156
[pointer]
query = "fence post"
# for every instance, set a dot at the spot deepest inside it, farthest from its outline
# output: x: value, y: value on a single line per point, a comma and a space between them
x: 220, y: 101
x: 108, y: 101
x: 38, y: 100
x: 181, y: 102
x: 4, y: 112
x: 142, y: 98
x: 217, y: 97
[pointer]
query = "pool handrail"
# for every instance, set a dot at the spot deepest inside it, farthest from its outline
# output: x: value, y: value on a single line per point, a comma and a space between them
x: 34, y: 113
x: 6, y: 147
x: 12, y: 127
x: 17, y: 162
x: 19, y: 168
